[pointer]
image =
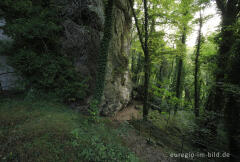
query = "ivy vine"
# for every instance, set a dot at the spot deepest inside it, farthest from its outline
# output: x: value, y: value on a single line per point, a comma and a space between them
x: 102, y: 59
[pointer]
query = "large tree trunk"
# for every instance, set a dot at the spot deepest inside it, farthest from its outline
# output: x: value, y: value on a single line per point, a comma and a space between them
x: 223, y: 100
x: 217, y: 102
x: 229, y: 17
x: 232, y: 110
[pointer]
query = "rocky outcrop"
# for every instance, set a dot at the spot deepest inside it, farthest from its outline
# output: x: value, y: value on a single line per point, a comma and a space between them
x: 8, y: 79
x: 83, y: 26
x: 118, y: 84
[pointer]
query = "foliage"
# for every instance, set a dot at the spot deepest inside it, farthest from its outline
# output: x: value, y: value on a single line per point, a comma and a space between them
x: 168, y: 99
x: 167, y: 43
x: 100, y: 147
x: 35, y: 29
x: 5, y: 46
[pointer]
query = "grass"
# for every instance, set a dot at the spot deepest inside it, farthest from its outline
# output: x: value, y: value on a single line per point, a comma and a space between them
x: 40, y: 130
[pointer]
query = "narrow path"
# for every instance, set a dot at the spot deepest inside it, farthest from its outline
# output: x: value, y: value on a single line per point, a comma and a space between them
x: 128, y: 113
x: 144, y: 150
x: 134, y: 140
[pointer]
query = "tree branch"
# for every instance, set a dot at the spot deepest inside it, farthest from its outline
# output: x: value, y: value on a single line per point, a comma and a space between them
x: 137, y: 25
x: 233, y: 7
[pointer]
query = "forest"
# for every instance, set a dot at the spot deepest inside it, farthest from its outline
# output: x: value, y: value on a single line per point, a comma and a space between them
x: 119, y: 80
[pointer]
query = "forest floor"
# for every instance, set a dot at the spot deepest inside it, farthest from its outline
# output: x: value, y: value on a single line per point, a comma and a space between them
x: 156, y: 139
x: 139, y: 144
x: 33, y: 129
x: 144, y: 149
x: 163, y: 135
x: 40, y: 130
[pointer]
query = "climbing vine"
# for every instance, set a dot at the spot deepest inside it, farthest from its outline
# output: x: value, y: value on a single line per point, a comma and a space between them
x: 102, y: 59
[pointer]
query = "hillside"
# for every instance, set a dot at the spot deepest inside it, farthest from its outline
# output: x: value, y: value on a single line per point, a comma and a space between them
x: 119, y: 80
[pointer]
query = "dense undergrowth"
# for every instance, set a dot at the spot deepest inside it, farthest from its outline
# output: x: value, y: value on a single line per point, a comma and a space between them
x: 41, y: 130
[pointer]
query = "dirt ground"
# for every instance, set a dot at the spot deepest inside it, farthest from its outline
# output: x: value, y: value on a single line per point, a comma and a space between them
x: 129, y: 113
x: 136, y: 142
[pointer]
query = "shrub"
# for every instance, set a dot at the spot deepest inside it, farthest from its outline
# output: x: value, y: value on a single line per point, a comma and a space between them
x: 35, y: 53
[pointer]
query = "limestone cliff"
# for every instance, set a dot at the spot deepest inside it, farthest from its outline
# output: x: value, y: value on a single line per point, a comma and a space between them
x: 118, y: 84
x: 83, y: 25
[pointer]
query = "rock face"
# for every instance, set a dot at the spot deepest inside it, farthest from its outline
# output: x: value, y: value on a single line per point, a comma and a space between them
x: 84, y: 20
x: 118, y: 84
x: 8, y: 79
x: 83, y: 27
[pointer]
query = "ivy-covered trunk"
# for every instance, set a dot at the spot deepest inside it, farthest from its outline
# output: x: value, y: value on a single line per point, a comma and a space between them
x: 225, y: 96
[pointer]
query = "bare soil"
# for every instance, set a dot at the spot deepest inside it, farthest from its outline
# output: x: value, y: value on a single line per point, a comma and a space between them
x: 137, y: 143
x: 129, y: 113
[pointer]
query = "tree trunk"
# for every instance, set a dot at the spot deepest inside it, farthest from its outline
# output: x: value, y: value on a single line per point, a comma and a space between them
x: 223, y: 101
x: 229, y: 18
x: 144, y: 45
x: 197, y: 66
x: 146, y: 64
x: 180, y: 71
